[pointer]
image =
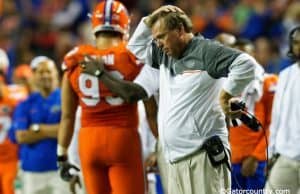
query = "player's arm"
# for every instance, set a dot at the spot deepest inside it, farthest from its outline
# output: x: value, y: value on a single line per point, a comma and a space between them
x: 129, y: 91
x: 66, y: 128
x: 69, y: 104
x: 151, y: 115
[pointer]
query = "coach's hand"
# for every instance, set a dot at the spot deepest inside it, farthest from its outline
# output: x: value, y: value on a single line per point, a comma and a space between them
x: 92, y: 65
x: 225, y: 99
x: 166, y: 9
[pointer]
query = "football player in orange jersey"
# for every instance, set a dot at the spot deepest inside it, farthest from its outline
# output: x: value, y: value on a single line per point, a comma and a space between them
x: 249, y: 147
x: 10, y: 95
x: 109, y: 144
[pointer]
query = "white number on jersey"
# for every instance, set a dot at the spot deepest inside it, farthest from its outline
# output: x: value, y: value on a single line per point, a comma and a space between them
x: 89, y: 86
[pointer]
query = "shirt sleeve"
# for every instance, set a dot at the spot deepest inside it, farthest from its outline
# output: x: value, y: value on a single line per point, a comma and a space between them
x: 140, y: 40
x: 148, y: 78
x: 140, y: 45
x: 241, y: 73
x: 221, y: 61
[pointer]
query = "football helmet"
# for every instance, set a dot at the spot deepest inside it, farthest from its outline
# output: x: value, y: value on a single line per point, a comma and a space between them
x: 110, y: 15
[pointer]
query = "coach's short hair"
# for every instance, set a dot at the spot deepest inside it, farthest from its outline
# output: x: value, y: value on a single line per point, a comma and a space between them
x: 172, y: 20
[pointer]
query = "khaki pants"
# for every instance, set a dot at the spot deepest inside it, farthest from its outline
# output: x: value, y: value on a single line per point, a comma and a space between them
x: 44, y: 183
x: 196, y: 175
x: 162, y: 166
x: 151, y: 187
x: 285, y: 175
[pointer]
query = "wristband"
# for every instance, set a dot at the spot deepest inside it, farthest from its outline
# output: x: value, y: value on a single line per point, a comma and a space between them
x: 61, y: 151
x: 62, y: 159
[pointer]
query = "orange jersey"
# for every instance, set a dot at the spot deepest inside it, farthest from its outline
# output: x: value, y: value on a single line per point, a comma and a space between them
x: 12, y: 95
x: 99, y: 106
x: 245, y: 142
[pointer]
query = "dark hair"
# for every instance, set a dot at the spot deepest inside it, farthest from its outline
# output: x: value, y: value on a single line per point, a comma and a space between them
x: 173, y: 20
x: 290, y: 53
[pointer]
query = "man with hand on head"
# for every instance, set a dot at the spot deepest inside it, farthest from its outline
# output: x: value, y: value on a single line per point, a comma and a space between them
x: 192, y: 100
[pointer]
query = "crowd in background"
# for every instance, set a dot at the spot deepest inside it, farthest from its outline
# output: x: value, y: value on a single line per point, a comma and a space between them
x: 52, y: 27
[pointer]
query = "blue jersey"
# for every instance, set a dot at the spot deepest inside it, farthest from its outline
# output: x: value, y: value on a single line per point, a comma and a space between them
x: 36, y: 109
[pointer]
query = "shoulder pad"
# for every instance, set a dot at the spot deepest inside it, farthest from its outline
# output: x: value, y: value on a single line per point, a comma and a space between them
x: 76, y: 55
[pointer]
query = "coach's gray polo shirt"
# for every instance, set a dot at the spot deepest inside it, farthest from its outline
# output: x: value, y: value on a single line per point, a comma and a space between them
x: 189, y: 87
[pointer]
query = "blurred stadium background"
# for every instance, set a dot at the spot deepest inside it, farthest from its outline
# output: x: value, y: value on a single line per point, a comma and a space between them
x: 52, y: 27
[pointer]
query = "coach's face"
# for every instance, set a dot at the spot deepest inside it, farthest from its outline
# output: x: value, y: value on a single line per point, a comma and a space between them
x: 46, y: 75
x: 169, y: 40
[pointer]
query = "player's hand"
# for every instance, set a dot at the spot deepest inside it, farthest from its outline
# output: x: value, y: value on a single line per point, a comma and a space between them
x: 166, y: 9
x: 75, y: 180
x: 93, y: 66
x: 249, y: 166
x: 225, y: 100
x: 65, y: 167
